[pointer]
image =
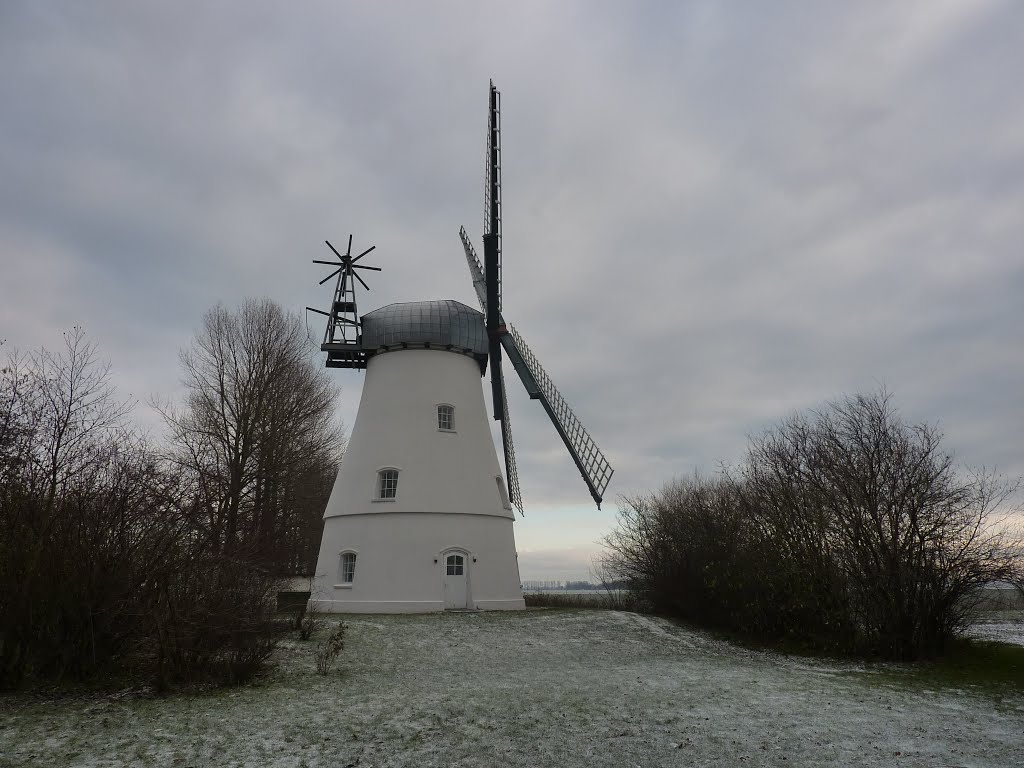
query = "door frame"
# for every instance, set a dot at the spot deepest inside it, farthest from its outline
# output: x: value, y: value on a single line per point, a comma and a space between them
x: 467, y: 559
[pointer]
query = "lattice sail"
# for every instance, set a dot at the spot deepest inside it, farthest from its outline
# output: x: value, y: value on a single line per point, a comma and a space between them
x: 511, y: 473
x: 590, y: 461
x: 492, y: 166
x: 476, y: 270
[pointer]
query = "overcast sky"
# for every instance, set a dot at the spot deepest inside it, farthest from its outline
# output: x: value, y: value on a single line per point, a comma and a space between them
x: 714, y: 214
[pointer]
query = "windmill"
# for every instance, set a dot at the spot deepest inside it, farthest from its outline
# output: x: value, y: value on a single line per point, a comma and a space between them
x: 420, y: 517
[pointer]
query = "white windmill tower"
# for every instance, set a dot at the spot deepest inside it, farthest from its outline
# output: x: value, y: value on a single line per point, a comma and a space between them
x: 420, y: 517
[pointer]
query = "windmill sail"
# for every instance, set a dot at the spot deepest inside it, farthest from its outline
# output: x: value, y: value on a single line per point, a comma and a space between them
x: 592, y: 464
x: 590, y: 461
x: 492, y: 248
x: 492, y: 181
x: 476, y: 269
x: 510, y: 454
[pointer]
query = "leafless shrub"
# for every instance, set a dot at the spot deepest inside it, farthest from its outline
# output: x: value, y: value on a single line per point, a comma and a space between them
x: 77, y: 513
x: 614, y: 592
x: 691, y: 551
x: 309, y: 621
x: 102, y: 564
x: 846, y: 529
x: 214, y: 621
x: 330, y: 648
x: 911, y: 539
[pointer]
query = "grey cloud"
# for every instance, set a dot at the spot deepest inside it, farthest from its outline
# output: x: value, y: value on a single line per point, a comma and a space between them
x: 713, y: 214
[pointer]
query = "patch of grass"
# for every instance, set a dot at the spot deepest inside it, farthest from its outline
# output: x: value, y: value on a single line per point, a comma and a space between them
x: 982, y: 664
x: 783, y: 647
x: 595, y: 600
x: 968, y: 663
x: 560, y: 600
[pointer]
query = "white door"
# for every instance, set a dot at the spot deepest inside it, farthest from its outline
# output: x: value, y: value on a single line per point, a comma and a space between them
x: 455, y: 588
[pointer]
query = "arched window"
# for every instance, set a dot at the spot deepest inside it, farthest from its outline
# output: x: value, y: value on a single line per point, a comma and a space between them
x: 347, y: 567
x: 446, y: 417
x: 502, y: 492
x: 454, y: 565
x: 387, y: 484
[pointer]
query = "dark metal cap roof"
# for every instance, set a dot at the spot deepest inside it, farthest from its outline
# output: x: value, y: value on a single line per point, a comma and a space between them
x: 444, y: 323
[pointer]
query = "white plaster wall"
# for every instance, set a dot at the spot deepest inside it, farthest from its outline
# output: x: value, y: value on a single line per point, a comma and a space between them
x: 396, y: 570
x: 447, y: 496
x: 396, y: 426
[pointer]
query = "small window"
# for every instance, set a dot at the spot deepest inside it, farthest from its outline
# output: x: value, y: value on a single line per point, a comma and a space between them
x: 455, y: 565
x: 387, y: 484
x: 348, y: 567
x: 503, y: 493
x: 446, y: 417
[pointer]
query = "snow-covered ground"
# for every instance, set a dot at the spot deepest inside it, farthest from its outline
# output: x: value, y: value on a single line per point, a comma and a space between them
x: 1004, y: 626
x: 535, y: 688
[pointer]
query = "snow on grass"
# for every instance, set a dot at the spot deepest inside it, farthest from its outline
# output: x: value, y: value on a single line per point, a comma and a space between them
x: 536, y: 688
x: 1004, y: 626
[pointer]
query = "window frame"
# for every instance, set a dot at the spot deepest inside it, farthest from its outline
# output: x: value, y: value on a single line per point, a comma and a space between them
x: 450, y: 413
x: 382, y: 486
x: 344, y: 556
x: 459, y: 563
x: 506, y: 501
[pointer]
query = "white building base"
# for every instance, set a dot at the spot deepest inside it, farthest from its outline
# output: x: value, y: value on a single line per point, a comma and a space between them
x: 403, y: 564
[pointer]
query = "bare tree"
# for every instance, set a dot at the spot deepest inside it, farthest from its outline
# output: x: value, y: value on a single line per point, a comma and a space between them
x: 257, y: 432
x: 65, y: 402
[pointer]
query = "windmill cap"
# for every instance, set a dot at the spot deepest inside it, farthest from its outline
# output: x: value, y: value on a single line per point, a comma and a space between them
x: 444, y: 323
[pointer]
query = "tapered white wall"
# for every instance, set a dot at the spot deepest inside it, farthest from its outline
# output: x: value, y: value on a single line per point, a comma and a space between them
x: 448, y: 495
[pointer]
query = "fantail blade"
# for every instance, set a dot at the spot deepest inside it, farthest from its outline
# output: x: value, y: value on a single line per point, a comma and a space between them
x: 330, y: 275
